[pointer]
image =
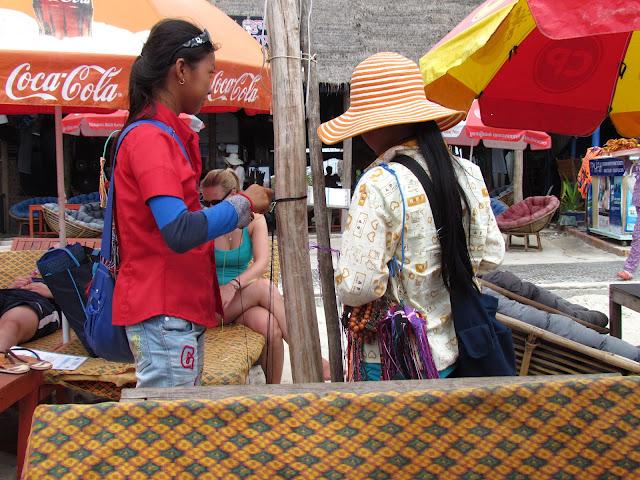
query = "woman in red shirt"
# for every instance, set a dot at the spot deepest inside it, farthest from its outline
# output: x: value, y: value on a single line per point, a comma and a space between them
x: 166, y: 271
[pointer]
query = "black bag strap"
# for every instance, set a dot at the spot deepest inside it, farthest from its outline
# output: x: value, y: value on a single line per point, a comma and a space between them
x: 423, y: 177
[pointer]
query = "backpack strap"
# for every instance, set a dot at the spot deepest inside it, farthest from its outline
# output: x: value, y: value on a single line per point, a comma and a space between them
x: 105, y: 247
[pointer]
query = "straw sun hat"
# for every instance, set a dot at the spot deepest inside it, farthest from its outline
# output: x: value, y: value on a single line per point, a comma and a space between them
x: 386, y: 89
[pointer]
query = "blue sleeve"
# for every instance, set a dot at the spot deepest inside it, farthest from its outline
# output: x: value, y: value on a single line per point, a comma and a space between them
x: 183, y: 230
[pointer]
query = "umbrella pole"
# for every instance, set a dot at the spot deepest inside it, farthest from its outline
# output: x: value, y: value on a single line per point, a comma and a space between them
x: 518, y: 166
x: 471, y: 154
x: 62, y: 199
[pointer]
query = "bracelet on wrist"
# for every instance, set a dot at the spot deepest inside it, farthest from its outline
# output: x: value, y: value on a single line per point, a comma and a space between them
x: 242, y: 194
x: 236, y: 284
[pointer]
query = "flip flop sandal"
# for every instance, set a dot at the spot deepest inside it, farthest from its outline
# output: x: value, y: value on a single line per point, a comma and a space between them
x: 9, y: 365
x: 34, y: 362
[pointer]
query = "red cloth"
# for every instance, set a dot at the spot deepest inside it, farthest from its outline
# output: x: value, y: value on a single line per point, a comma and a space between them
x: 153, y: 279
x: 584, y: 175
x: 527, y: 211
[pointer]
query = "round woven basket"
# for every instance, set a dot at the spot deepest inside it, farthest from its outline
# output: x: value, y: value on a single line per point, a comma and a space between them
x: 532, y: 227
x: 74, y: 229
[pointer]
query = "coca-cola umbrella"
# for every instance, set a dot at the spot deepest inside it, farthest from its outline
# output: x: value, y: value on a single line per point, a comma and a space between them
x: 78, y: 54
x: 75, y: 56
x: 104, y: 124
x: 472, y: 131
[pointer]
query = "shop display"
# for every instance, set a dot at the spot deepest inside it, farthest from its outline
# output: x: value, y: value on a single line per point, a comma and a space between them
x: 609, y: 209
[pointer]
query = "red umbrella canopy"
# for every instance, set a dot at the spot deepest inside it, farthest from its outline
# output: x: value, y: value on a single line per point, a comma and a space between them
x: 103, y: 124
x: 555, y: 66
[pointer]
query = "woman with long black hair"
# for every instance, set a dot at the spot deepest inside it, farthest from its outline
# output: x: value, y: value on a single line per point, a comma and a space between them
x: 166, y: 292
x: 391, y: 221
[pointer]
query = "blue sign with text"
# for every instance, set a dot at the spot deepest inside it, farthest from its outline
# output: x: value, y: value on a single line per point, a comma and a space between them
x: 606, y: 167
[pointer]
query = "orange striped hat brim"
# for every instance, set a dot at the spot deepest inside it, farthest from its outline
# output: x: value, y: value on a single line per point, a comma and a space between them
x: 386, y: 89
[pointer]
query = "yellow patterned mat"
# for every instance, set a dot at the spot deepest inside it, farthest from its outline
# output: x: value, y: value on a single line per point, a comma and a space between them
x: 229, y: 354
x: 575, y: 429
x: 14, y: 264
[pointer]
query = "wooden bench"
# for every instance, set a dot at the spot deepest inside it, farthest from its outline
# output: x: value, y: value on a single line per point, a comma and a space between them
x: 230, y: 351
x: 28, y: 243
x: 552, y: 427
x: 622, y: 295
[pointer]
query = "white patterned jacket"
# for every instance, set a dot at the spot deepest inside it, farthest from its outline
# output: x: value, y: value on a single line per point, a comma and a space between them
x: 372, y: 238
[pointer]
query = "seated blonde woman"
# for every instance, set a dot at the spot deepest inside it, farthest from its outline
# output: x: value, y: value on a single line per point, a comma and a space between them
x: 241, y: 284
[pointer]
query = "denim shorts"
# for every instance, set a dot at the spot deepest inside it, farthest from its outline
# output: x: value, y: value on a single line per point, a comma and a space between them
x: 168, y: 352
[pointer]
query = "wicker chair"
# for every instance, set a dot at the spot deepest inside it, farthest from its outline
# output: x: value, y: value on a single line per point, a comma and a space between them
x: 74, y: 228
x: 20, y: 211
x: 528, y: 217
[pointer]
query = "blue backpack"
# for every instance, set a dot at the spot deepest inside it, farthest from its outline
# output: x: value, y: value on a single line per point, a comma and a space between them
x: 105, y: 339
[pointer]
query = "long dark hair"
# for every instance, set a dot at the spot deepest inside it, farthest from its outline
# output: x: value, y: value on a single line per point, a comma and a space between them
x: 447, y: 207
x: 159, y: 54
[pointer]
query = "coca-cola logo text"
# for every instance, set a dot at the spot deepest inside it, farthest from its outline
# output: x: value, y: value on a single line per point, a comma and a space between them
x: 241, y: 89
x: 87, y: 83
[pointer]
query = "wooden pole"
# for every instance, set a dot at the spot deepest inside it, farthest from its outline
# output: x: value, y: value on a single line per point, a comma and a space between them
x: 290, y: 169
x: 518, y: 166
x: 325, y: 261
x: 347, y: 159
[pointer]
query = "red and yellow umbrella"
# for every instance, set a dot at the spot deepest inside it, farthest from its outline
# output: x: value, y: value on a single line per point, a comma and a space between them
x: 555, y: 66
x: 471, y: 131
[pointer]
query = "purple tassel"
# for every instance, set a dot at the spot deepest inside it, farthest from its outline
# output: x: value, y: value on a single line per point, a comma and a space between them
x: 385, y: 345
x: 424, y: 350
x: 415, y: 355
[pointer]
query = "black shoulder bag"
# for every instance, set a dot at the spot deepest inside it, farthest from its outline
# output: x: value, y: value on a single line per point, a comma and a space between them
x: 485, y: 345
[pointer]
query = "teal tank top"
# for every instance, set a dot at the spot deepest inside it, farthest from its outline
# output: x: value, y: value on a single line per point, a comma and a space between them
x: 231, y: 263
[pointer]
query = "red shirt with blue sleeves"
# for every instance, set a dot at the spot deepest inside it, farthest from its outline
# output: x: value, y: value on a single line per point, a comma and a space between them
x: 152, y: 278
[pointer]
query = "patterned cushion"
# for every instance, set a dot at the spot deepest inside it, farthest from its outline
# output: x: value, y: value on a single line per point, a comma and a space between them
x: 85, y: 198
x: 21, y: 209
x: 527, y: 211
x: 14, y: 264
x: 578, y: 429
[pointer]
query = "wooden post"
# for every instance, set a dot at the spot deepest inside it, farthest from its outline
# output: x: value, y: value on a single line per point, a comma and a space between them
x: 290, y: 169
x: 347, y: 159
x: 212, y: 161
x: 518, y: 166
x: 321, y: 214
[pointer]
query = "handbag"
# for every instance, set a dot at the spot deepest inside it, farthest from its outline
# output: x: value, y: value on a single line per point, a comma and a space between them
x: 67, y: 272
x: 485, y: 346
x: 105, y: 339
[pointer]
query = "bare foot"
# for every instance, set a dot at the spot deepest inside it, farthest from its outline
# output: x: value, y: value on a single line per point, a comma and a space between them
x: 624, y: 275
